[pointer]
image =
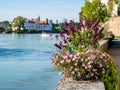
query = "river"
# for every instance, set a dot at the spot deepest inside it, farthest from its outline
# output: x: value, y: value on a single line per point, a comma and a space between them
x: 25, y: 62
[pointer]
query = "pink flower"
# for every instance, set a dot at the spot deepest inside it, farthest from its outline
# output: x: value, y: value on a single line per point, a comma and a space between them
x: 53, y: 55
x: 100, y: 65
x: 71, y: 55
x: 74, y: 59
x: 67, y: 53
x: 68, y: 61
x: 96, y: 77
x: 105, y: 60
x: 101, y: 56
x: 89, y: 66
x: 53, y: 62
x: 78, y: 54
x: 103, y: 72
x: 62, y: 61
x: 94, y: 70
x: 65, y: 57
x: 93, y: 57
x: 83, y: 65
x: 92, y: 74
x: 82, y: 59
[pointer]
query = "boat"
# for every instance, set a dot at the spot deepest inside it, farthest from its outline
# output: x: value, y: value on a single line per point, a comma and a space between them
x: 45, y: 34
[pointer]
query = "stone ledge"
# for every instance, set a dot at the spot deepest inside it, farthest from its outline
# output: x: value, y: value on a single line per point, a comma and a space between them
x: 103, y: 45
x: 70, y: 84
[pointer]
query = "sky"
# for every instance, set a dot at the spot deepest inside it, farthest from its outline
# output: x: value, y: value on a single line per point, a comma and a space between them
x: 51, y: 9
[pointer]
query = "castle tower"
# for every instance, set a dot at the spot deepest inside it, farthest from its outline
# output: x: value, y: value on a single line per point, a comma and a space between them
x: 37, y: 23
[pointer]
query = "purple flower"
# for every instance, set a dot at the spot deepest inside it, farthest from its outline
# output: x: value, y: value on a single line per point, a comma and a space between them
x: 56, y: 36
x: 58, y: 46
x: 105, y: 60
x: 103, y: 72
x: 100, y: 65
x: 67, y: 53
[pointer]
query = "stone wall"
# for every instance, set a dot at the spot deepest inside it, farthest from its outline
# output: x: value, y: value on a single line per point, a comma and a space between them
x: 70, y: 84
x: 103, y: 45
x: 113, y: 25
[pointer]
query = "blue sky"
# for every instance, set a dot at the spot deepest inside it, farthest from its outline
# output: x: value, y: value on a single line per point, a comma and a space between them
x: 51, y: 9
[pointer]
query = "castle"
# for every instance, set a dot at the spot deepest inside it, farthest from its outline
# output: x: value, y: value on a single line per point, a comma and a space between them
x: 37, y: 24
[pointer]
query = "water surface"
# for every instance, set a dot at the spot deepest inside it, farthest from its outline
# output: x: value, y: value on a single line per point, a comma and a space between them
x: 25, y: 62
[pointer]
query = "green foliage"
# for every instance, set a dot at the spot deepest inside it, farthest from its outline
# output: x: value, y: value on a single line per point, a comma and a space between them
x: 6, y: 25
x: 111, y: 78
x: 8, y: 31
x: 80, y: 37
x: 111, y: 4
x: 117, y: 36
x: 117, y: 1
x: 94, y: 10
x: 56, y: 27
x: 18, y: 22
x: 88, y: 65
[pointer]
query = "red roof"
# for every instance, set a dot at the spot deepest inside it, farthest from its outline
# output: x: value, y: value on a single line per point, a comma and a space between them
x: 33, y: 20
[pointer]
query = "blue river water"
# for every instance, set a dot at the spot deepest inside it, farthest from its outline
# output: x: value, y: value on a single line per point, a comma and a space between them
x: 25, y: 62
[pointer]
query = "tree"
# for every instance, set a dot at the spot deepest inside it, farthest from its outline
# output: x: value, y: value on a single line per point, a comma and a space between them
x: 57, y: 22
x: 117, y: 1
x: 47, y: 20
x: 94, y: 10
x: 111, y: 4
x: 51, y: 21
x: 18, y: 23
x: 6, y: 25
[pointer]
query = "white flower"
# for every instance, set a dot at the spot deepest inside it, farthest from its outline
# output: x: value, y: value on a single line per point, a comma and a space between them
x: 72, y: 72
x: 76, y: 64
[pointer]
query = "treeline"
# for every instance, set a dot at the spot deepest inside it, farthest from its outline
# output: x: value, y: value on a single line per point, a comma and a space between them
x: 17, y: 26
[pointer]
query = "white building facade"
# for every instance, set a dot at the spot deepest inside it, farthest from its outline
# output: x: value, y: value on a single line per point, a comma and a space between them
x: 37, y: 24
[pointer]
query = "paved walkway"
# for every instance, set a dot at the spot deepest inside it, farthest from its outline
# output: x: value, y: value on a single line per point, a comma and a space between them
x: 114, y: 51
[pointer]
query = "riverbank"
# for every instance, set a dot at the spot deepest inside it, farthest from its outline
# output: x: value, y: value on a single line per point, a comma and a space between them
x: 30, y: 31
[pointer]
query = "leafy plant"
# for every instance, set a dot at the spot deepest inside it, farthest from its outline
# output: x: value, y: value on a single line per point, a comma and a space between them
x: 81, y: 37
x: 95, y: 9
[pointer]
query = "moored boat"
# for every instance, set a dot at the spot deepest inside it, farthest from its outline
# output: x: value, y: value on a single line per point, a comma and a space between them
x: 45, y: 34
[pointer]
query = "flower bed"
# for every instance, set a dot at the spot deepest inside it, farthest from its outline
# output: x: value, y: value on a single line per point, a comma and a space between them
x: 89, y: 65
x: 78, y: 54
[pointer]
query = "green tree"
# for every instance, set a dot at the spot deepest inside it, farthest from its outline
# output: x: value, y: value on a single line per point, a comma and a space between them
x: 18, y: 23
x: 51, y: 21
x: 57, y: 22
x: 6, y: 25
x: 47, y: 20
x: 94, y: 10
x: 111, y: 4
x: 117, y: 1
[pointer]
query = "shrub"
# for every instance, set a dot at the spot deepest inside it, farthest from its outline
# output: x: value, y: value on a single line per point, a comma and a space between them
x: 89, y: 65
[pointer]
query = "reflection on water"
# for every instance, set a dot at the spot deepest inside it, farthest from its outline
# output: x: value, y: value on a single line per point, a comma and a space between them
x: 25, y: 62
